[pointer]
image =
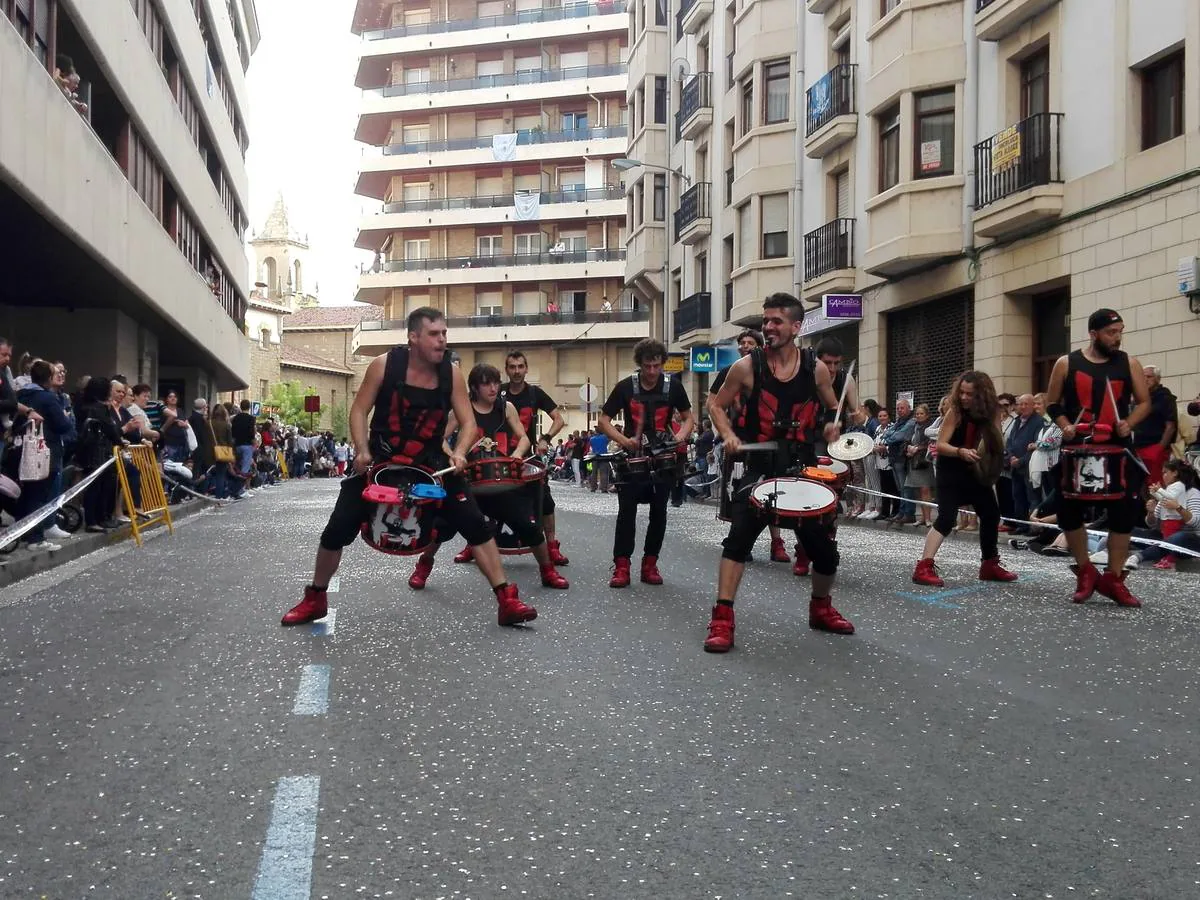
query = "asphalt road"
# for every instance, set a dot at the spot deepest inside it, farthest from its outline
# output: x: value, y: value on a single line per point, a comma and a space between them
x: 163, y: 737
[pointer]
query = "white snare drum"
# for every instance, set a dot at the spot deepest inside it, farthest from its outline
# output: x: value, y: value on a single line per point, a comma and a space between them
x: 1094, y: 472
x: 784, y: 500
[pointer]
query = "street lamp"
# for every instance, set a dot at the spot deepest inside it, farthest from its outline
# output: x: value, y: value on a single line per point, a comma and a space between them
x: 624, y: 164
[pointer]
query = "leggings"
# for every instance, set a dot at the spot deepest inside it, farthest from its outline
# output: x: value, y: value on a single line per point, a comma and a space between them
x: 956, y: 489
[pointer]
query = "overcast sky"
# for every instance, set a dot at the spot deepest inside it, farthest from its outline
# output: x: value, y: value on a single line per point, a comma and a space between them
x: 303, y: 110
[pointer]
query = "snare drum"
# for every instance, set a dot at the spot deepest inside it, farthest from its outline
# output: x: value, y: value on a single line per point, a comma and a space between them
x: 632, y: 469
x: 667, y: 464
x: 785, y: 500
x: 822, y: 475
x: 1093, y: 472
x: 495, y: 474
x: 532, y: 469
x: 403, y: 502
x: 839, y: 470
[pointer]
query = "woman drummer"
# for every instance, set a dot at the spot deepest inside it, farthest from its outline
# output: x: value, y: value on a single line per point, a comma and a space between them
x: 968, y: 446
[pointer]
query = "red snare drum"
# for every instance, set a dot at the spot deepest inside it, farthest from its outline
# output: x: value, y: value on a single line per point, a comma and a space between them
x: 402, y: 502
x: 495, y: 474
x: 785, y: 500
x: 1093, y: 472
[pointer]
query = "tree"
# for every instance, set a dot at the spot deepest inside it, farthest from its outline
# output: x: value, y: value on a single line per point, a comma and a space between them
x: 288, y: 398
x: 339, y: 418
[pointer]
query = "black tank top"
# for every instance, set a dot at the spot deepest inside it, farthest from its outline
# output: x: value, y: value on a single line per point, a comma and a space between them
x: 781, y: 410
x: 408, y: 422
x: 1085, y: 392
x: 493, y: 426
x: 966, y: 435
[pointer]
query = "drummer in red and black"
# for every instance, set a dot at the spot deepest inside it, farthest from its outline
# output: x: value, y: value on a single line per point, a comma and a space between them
x: 498, y: 424
x: 787, y: 391
x: 530, y: 401
x: 647, y: 401
x: 412, y: 390
x: 1100, y: 394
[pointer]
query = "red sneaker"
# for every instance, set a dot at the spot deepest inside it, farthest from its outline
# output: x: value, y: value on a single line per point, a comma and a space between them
x: 720, y: 630
x: 1113, y: 587
x: 620, y: 576
x: 650, y: 570
x: 551, y: 578
x: 465, y: 555
x: 420, y: 574
x: 991, y: 570
x: 926, y: 573
x: 779, y: 551
x: 823, y: 617
x: 315, y: 605
x: 1085, y: 582
x: 511, y: 610
x: 1005, y: 528
x: 802, y: 563
x: 556, y: 555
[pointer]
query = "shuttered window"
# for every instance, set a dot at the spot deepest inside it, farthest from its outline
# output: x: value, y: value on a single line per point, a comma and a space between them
x: 928, y: 346
x: 775, y: 226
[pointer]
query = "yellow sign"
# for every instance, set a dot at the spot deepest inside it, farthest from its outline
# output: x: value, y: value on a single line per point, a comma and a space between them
x: 675, y: 363
x: 1006, y: 149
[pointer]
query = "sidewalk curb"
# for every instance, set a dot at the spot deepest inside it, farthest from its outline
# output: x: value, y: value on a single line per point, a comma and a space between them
x: 13, y: 570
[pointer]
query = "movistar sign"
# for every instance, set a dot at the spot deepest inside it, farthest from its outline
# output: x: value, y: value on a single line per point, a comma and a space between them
x: 704, y: 359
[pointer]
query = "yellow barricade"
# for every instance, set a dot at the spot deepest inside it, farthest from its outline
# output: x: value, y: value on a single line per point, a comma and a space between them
x: 283, y: 468
x: 154, y: 505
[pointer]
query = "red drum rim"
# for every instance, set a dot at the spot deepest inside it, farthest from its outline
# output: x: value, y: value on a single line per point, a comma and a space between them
x: 824, y: 499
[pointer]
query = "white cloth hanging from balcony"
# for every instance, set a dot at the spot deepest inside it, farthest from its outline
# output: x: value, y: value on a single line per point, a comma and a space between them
x: 504, y: 147
x: 529, y: 206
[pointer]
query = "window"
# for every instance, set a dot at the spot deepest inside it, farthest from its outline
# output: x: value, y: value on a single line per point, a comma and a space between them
x: 775, y: 97
x: 264, y: 337
x: 889, y: 148
x: 747, y: 121
x: 528, y: 244
x: 639, y: 102
x: 264, y: 388
x: 775, y: 226
x: 660, y: 198
x: 886, y: 6
x: 701, y: 272
x: 416, y: 191
x: 527, y: 303
x: 416, y: 249
x: 572, y: 301
x: 489, y: 244
x: 1162, y: 101
x: 1035, y: 84
x: 660, y: 12
x: 639, y: 203
x: 934, y: 135
x: 415, y: 134
x: 660, y: 99
x: 490, y: 303
x: 746, y: 237
x: 574, y: 121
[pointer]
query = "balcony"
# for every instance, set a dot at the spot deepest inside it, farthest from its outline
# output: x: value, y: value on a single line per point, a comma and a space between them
x: 819, y: 6
x: 437, y: 212
x: 1018, y: 176
x: 525, y: 137
x: 832, y: 117
x: 913, y: 224
x: 373, y: 337
x: 829, y: 259
x: 997, y: 19
x: 695, y: 107
x: 694, y: 314
x: 693, y: 219
x: 373, y: 285
x: 438, y: 25
x: 535, y: 76
x: 692, y: 14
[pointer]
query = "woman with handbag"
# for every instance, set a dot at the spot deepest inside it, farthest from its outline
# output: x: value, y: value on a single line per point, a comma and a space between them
x: 42, y: 453
x: 98, y: 435
x: 222, y: 451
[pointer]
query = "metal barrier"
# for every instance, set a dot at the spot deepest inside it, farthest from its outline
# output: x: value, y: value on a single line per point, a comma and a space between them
x: 154, y: 507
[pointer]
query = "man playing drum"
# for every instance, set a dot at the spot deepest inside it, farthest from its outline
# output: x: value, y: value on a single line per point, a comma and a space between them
x: 499, y: 426
x: 411, y: 390
x: 1098, y: 395
x: 647, y: 400
x: 786, y: 391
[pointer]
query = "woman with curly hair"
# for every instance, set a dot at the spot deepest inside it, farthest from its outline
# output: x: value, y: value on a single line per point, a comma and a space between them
x: 970, y: 453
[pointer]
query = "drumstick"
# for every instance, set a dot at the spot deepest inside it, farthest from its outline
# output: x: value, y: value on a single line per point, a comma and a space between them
x: 845, y: 388
x: 1113, y: 400
x: 445, y: 471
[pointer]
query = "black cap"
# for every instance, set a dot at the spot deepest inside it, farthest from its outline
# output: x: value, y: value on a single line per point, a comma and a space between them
x: 1102, y: 318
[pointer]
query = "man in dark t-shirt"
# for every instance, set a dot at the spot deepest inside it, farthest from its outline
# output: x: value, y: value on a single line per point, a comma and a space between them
x: 647, y: 401
x: 242, y: 427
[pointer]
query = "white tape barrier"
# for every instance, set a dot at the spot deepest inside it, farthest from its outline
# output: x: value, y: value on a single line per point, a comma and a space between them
x: 20, y: 528
x: 1150, y: 542
x: 188, y: 490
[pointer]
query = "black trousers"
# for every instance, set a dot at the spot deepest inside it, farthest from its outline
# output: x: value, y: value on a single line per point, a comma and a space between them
x: 956, y: 489
x: 100, y: 498
x: 629, y: 497
x: 512, y: 508
x: 815, y: 533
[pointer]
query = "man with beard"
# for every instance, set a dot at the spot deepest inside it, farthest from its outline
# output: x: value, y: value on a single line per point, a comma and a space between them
x: 1100, y: 386
x: 411, y: 390
x: 786, y: 391
x: 529, y: 400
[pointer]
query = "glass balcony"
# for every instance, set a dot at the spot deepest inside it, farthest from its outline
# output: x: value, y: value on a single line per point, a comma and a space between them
x: 535, y: 76
x: 491, y: 262
x: 525, y: 137
x: 544, y: 14
x: 496, y: 201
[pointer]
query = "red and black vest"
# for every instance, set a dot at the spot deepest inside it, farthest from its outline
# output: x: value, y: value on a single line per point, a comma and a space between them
x: 781, y: 410
x: 493, y: 426
x: 649, y: 411
x: 1086, y: 396
x: 408, y: 422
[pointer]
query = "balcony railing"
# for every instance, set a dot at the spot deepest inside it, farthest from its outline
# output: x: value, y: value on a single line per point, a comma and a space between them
x: 1018, y: 158
x: 981, y: 5
x: 695, y: 95
x: 830, y: 97
x: 491, y: 262
x: 545, y: 14
x: 694, y: 204
x: 530, y: 136
x: 533, y: 76
x: 694, y: 312
x: 495, y: 201
x: 829, y: 248
x: 570, y: 317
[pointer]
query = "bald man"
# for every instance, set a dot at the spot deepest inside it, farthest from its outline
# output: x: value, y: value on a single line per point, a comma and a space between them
x: 1022, y: 441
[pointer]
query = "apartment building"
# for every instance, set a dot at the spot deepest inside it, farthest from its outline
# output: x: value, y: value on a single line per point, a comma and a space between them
x: 489, y: 128
x: 984, y: 173
x: 123, y: 187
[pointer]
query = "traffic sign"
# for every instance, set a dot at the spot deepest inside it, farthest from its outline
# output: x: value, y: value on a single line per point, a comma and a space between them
x: 589, y: 393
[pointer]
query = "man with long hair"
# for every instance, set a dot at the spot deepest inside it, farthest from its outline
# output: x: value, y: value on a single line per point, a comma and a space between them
x: 970, y: 451
x: 1101, y: 390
